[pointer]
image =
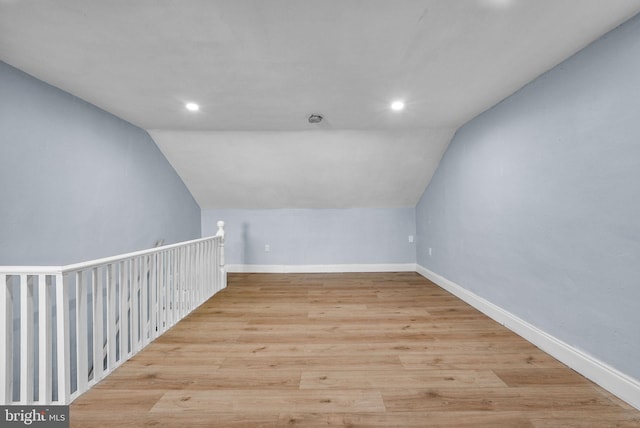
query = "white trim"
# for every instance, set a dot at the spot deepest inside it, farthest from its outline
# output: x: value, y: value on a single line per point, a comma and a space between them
x: 30, y: 270
x: 619, y: 384
x: 398, y: 267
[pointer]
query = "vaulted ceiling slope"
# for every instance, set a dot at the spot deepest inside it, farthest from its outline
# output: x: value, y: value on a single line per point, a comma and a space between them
x: 258, y: 69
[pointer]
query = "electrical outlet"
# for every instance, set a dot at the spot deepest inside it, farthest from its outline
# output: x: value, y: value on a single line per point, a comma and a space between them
x: 267, y: 248
x: 410, y: 238
x: 430, y: 252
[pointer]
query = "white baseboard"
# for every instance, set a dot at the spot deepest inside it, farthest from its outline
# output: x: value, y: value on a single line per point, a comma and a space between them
x: 619, y: 384
x: 398, y: 267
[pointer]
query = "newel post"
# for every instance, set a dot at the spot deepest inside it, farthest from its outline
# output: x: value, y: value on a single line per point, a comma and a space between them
x: 220, y: 233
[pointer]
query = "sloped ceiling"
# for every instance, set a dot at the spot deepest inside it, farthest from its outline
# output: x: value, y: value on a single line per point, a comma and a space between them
x: 259, y: 68
x: 314, y: 169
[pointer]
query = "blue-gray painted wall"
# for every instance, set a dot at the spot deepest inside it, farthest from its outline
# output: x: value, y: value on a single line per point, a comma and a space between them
x: 315, y: 236
x: 77, y: 183
x: 535, y: 205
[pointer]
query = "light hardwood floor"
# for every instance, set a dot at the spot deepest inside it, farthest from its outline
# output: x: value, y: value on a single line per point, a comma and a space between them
x: 370, y: 350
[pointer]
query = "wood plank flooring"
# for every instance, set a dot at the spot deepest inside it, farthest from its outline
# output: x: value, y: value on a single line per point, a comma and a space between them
x: 369, y: 350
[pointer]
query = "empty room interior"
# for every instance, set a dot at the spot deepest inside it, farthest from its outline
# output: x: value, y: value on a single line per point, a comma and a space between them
x: 321, y: 213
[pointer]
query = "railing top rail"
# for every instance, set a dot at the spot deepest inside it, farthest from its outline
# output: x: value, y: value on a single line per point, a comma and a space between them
x: 53, y: 270
x: 111, y: 259
x: 30, y: 270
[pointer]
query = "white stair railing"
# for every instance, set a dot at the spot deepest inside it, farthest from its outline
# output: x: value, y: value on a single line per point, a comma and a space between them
x: 63, y: 329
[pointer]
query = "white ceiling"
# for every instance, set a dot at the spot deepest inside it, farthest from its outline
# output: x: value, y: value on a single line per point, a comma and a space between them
x: 314, y: 169
x: 258, y: 68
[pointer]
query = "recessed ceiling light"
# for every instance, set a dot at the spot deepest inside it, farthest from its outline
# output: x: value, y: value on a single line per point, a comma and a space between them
x: 397, y: 105
x: 192, y: 106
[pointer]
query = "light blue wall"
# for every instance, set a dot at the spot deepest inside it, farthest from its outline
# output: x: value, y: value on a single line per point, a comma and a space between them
x: 77, y: 183
x: 315, y: 236
x: 536, y: 203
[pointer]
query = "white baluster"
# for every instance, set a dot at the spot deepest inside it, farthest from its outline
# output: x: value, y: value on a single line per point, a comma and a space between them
x: 200, y: 273
x: 44, y: 339
x: 180, y: 283
x: 6, y: 341
x: 62, y: 336
x: 161, y: 293
x: 135, y: 305
x: 124, y: 310
x: 111, y: 317
x: 190, y: 281
x: 187, y: 280
x: 82, y: 370
x: 26, y: 340
x: 97, y: 283
x: 174, y: 286
x: 144, y: 301
x: 153, y: 297
x: 169, y: 288
x: 211, y: 261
